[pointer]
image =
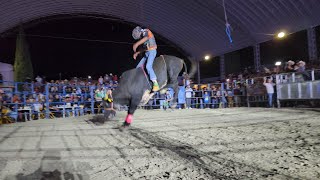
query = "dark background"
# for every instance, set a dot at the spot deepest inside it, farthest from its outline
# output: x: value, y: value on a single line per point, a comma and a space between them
x: 68, y: 46
x: 80, y: 47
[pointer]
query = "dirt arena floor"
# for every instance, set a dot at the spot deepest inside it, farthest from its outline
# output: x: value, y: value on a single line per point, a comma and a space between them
x: 235, y: 143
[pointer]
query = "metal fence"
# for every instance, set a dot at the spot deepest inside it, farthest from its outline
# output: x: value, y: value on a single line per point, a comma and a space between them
x: 35, y: 100
x: 298, y: 86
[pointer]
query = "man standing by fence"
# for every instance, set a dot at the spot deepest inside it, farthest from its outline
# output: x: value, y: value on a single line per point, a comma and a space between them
x: 270, y: 90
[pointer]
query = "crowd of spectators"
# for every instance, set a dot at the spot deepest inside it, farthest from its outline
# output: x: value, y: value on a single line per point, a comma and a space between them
x: 86, y: 94
x: 235, y: 90
x: 32, y: 97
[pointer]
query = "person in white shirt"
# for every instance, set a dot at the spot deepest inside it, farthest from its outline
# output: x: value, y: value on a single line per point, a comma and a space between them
x: 189, y: 96
x: 270, y: 89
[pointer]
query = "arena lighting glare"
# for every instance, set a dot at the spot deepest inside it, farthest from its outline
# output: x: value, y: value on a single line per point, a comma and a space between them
x: 278, y: 63
x: 89, y: 77
x: 207, y: 57
x: 281, y: 34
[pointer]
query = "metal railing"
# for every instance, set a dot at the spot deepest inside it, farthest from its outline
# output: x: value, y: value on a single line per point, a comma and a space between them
x: 298, y: 86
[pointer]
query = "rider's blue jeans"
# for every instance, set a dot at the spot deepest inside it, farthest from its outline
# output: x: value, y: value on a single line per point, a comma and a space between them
x: 149, y: 57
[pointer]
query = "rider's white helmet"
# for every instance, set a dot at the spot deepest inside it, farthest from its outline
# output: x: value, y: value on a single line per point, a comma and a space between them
x: 136, y: 32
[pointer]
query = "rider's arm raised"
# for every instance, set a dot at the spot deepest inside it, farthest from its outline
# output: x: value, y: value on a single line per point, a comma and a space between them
x: 138, y: 43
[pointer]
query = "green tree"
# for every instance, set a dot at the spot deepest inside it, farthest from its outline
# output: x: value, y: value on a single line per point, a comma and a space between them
x: 22, y: 64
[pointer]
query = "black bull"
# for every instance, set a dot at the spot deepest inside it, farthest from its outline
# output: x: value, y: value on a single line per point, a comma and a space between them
x: 134, y: 87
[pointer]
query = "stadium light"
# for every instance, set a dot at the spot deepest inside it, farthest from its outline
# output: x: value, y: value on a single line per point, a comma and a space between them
x: 278, y: 63
x: 207, y: 57
x: 281, y: 34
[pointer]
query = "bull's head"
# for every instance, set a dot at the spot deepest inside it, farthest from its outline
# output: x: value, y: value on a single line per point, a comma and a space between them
x: 120, y: 98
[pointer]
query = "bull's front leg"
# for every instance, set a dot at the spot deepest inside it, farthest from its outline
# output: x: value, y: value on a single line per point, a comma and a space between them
x: 132, y: 108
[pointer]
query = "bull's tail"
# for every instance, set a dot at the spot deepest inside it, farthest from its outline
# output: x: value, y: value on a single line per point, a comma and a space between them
x: 193, y: 69
x: 185, y: 67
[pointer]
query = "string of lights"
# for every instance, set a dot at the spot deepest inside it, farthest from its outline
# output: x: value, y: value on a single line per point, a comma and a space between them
x: 83, y: 39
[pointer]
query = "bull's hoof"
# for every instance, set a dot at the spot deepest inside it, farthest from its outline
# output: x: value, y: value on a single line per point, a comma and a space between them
x: 125, y: 126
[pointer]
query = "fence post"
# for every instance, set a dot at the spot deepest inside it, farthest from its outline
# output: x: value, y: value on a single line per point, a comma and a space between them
x: 293, y: 77
x: 222, y: 94
x: 16, y: 88
x: 92, y: 99
x: 311, y: 89
x: 279, y: 77
x: 47, y: 101
x: 32, y: 88
x: 299, y: 91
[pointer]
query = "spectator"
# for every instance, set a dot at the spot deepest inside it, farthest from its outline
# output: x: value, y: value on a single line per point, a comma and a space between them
x: 289, y: 66
x: 39, y: 79
x: 181, y: 81
x: 100, y: 80
x: 106, y: 78
x: 270, y: 90
x: 221, y: 94
x: 301, y: 66
x: 206, y: 99
x: 181, y: 97
x: 115, y: 78
x: 189, y: 96
x: 198, y: 95
x: 37, y: 107
x: 237, y: 95
x: 168, y: 100
x: 214, y: 98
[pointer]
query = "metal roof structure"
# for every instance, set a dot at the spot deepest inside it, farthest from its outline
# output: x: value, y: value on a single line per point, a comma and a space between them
x: 196, y: 26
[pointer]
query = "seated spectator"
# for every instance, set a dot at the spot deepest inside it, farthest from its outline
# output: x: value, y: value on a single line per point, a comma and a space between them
x: 39, y: 79
x: 37, y: 108
x: 100, y: 80
x: 115, y: 78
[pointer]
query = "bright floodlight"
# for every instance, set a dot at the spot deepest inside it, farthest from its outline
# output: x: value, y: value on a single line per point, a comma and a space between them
x: 207, y: 57
x: 278, y: 63
x: 281, y: 34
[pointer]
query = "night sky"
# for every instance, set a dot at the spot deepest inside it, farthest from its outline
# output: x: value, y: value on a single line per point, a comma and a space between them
x: 54, y: 49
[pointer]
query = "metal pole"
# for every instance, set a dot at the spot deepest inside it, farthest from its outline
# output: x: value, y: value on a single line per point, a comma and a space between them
x: 47, y: 101
x: 92, y: 98
x: 222, y: 68
x: 198, y: 71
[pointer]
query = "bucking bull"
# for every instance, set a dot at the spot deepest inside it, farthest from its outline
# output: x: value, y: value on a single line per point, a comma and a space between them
x: 134, y: 88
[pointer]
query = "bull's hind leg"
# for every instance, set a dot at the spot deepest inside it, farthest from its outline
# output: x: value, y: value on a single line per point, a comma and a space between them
x: 175, y: 96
